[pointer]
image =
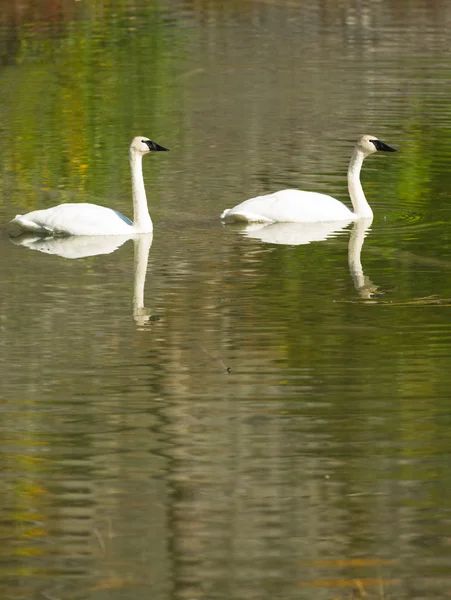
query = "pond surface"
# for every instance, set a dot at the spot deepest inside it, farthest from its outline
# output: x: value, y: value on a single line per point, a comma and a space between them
x: 215, y: 413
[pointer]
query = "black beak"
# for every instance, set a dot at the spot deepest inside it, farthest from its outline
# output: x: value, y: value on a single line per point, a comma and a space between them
x: 382, y: 147
x: 154, y: 146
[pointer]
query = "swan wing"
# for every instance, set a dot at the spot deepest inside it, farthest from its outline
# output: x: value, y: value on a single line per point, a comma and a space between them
x: 289, y: 206
x: 73, y: 219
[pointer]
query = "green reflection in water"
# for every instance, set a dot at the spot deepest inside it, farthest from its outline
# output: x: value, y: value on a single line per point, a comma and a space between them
x: 74, y: 98
x: 215, y: 482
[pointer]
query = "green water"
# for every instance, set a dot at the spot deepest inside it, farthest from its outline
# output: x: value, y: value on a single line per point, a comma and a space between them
x: 264, y: 420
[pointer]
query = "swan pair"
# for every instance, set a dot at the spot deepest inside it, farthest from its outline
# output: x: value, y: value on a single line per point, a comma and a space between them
x: 285, y: 206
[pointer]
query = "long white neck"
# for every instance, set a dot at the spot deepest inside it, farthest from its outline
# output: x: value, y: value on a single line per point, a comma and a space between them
x: 141, y: 218
x: 359, y: 203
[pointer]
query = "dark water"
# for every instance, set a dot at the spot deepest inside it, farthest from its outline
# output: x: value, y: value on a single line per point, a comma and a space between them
x: 262, y: 420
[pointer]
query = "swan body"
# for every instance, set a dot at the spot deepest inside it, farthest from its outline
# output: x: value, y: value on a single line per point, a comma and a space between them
x: 289, y: 206
x: 92, y: 219
x: 297, y: 206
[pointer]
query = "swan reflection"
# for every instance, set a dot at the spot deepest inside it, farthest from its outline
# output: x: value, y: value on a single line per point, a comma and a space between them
x: 296, y: 234
x: 362, y: 283
x: 74, y: 247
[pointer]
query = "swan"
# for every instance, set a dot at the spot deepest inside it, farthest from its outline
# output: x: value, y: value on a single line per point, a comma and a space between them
x: 296, y: 206
x: 92, y: 219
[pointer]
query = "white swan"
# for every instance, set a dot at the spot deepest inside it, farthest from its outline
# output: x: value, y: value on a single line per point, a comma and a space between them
x: 92, y: 219
x: 296, y: 206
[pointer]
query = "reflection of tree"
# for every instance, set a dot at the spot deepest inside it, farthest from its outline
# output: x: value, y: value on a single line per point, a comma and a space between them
x: 61, y: 96
x: 104, y: 61
x: 28, y: 11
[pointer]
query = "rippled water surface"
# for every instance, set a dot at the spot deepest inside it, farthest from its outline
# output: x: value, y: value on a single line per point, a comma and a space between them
x: 218, y: 413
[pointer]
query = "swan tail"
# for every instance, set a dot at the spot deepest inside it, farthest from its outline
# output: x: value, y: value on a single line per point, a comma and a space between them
x: 20, y: 225
x: 230, y: 216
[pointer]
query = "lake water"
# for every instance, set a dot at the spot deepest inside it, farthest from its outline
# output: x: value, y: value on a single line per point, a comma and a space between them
x: 219, y: 414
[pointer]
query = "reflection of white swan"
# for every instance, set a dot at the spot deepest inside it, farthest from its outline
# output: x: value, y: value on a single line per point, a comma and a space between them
x: 91, y: 219
x: 142, y: 247
x: 297, y: 206
x: 362, y: 284
x: 83, y: 246
x: 295, y: 234
x: 73, y: 246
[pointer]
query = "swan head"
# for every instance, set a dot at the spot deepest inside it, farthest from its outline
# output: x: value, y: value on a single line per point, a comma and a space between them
x: 368, y: 144
x: 142, y: 145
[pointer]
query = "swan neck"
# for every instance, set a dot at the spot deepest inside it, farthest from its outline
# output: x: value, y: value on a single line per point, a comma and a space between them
x: 359, y: 203
x: 141, y: 218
